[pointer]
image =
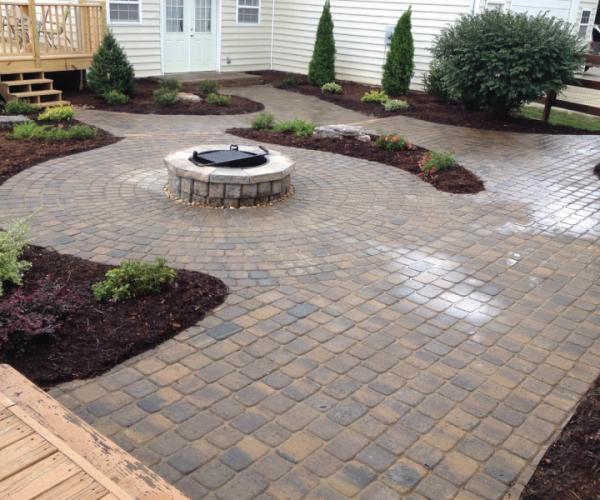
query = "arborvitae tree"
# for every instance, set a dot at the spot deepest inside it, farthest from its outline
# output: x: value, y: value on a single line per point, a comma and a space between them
x: 399, y: 67
x: 322, y: 64
x: 110, y: 69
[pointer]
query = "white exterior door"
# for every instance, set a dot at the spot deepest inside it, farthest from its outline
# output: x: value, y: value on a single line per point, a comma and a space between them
x: 203, y: 40
x: 190, y: 40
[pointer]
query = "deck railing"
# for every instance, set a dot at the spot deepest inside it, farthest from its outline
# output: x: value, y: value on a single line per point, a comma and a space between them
x: 50, y: 29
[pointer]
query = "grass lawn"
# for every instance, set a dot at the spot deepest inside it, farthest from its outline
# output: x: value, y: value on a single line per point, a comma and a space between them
x: 563, y: 118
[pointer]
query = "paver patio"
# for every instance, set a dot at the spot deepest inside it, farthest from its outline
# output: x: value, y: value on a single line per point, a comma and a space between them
x: 381, y: 340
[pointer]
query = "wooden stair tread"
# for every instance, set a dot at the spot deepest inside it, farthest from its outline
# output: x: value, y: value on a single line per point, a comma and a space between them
x: 48, y: 104
x: 33, y: 81
x: 35, y: 93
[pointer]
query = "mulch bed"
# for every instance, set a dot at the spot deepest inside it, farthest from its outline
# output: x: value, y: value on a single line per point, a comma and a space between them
x: 96, y: 336
x: 458, y: 180
x: 18, y: 155
x: 570, y: 469
x: 422, y: 106
x: 143, y: 102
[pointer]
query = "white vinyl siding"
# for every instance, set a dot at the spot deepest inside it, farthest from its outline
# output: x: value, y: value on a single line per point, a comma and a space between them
x: 245, y: 47
x: 360, y: 27
x: 141, y: 41
x: 556, y: 8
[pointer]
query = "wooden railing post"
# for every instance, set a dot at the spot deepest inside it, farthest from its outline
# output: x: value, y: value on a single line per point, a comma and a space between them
x: 103, y: 13
x: 85, y: 26
x: 33, y: 33
x: 550, y: 98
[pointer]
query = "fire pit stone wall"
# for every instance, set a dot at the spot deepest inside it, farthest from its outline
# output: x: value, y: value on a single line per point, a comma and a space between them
x: 227, y: 187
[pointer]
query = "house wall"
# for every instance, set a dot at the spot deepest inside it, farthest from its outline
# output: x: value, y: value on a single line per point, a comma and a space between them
x: 557, y: 8
x: 360, y: 27
x: 142, y: 41
x: 245, y: 47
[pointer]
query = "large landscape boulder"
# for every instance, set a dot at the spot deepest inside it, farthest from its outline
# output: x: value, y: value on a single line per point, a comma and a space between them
x: 342, y: 131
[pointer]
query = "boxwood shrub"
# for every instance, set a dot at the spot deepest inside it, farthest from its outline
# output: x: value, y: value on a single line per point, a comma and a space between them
x: 500, y: 60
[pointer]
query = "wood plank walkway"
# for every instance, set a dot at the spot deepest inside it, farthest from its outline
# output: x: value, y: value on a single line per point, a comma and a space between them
x: 47, y: 452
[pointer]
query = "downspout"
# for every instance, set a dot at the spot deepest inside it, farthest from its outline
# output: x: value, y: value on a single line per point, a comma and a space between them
x: 272, y: 30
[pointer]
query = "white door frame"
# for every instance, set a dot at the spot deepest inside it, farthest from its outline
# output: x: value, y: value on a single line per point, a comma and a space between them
x: 163, y: 27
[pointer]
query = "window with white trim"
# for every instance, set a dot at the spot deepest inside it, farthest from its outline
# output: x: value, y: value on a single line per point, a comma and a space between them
x: 248, y: 11
x: 124, y: 11
x: 499, y: 6
x: 584, y: 24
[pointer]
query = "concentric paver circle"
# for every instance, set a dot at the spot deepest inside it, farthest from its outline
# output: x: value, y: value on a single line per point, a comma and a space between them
x: 382, y: 339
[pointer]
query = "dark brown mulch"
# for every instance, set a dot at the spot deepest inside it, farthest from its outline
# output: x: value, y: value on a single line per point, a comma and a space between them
x: 422, y: 106
x: 99, y: 335
x: 570, y: 469
x: 143, y: 102
x: 459, y: 180
x: 16, y: 156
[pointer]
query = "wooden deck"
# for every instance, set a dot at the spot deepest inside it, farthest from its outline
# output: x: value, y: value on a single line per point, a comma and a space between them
x: 48, y: 453
x: 50, y: 36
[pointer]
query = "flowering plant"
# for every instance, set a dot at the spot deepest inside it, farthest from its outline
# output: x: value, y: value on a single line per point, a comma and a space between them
x: 433, y: 162
x: 393, y: 142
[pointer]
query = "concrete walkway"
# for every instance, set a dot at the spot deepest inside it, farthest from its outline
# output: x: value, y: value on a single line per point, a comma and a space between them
x: 382, y: 339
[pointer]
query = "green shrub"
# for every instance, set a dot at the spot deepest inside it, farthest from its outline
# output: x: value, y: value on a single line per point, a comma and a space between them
x: 81, y: 132
x: 378, y: 96
x: 264, y: 121
x: 434, y: 162
x: 57, y: 114
x: 500, y: 60
x: 132, y: 279
x: 110, y: 69
x: 164, y: 97
x: 298, y: 127
x: 31, y: 130
x: 218, y: 99
x: 13, y: 241
x: 20, y: 107
x: 290, y: 80
x: 391, y: 142
x: 209, y: 87
x: 434, y: 83
x: 395, y: 105
x: 322, y: 65
x: 332, y: 88
x: 399, y: 66
x: 170, y: 85
x: 114, y: 98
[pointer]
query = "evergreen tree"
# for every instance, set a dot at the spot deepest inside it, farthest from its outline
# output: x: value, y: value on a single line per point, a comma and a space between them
x: 399, y: 67
x: 322, y: 64
x: 110, y: 69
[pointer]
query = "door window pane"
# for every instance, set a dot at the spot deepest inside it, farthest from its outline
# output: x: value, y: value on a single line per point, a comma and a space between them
x: 203, y: 17
x: 174, y: 16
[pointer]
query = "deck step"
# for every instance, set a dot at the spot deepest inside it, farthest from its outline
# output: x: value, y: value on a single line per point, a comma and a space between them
x: 48, y: 104
x: 33, y: 81
x: 35, y: 93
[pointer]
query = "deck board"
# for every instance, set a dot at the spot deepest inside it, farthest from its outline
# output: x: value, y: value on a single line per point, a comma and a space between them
x: 47, y: 452
x: 23, y: 453
x: 39, y: 477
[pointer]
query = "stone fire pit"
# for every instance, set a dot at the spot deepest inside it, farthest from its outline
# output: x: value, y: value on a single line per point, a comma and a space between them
x: 221, y: 186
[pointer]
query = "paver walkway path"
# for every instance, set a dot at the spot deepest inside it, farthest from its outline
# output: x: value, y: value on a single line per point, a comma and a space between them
x: 382, y: 339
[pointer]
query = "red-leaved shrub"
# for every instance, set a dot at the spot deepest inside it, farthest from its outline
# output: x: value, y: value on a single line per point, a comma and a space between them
x: 28, y: 316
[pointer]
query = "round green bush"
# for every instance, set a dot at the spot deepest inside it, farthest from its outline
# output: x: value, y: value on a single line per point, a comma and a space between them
x: 500, y: 60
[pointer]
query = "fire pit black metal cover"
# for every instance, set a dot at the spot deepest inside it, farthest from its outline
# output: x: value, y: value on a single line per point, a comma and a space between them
x: 232, y: 158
